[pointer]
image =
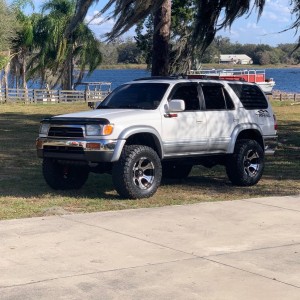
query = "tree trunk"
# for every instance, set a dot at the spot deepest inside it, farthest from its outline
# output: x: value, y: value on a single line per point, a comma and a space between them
x: 23, y: 71
x: 5, y: 80
x: 161, y: 39
x: 23, y: 74
x: 67, y: 79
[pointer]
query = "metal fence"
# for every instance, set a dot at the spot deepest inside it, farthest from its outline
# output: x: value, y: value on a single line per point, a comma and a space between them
x: 34, y: 96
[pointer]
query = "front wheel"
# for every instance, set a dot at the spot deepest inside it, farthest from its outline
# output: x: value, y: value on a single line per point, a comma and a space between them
x: 64, y: 177
x: 137, y: 174
x: 245, y: 167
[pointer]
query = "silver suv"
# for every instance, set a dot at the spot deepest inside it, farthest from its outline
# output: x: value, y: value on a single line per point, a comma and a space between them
x: 161, y: 127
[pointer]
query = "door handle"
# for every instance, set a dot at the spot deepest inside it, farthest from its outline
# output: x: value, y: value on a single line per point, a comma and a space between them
x: 170, y: 115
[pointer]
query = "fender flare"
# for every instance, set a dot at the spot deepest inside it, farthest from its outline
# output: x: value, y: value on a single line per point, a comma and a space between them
x: 237, y: 130
x: 128, y: 132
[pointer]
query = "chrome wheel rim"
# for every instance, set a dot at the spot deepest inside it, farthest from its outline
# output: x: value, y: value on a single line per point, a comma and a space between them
x: 143, y: 173
x: 251, y: 163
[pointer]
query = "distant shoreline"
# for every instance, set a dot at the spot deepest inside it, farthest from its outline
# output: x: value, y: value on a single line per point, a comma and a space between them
x: 123, y: 67
x: 204, y: 66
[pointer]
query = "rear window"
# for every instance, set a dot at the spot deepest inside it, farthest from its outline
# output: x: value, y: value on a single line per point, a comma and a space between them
x: 250, y: 95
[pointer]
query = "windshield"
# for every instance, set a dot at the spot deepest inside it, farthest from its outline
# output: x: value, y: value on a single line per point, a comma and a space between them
x: 135, y: 96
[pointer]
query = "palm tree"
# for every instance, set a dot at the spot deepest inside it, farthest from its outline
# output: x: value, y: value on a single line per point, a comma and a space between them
x: 22, y: 47
x: 206, y: 23
x: 7, y: 26
x: 55, y: 58
x: 8, y: 31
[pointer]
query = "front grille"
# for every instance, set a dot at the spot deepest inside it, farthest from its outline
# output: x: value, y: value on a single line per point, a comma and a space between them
x: 65, y: 132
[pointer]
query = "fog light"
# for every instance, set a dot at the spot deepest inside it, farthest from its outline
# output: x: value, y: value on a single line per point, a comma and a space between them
x: 39, y: 144
x: 93, y: 146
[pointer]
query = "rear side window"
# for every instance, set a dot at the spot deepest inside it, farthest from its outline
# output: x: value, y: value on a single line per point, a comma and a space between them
x: 216, y: 97
x: 250, y: 95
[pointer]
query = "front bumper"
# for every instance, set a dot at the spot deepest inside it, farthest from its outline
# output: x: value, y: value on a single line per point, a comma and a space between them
x: 79, y: 150
x: 271, y: 143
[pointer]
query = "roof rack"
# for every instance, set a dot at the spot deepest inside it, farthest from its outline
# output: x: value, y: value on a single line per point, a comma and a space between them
x: 203, y: 77
x: 221, y: 78
x: 170, y: 77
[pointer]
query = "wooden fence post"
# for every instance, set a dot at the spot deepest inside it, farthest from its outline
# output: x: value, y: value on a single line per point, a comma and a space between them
x: 34, y: 96
x: 6, y: 95
x: 26, y: 96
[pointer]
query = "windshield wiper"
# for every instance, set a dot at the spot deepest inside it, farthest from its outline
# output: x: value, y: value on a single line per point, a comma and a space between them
x: 106, y: 107
x: 128, y: 106
x: 131, y: 106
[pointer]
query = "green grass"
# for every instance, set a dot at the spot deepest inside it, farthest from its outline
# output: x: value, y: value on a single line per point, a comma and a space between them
x: 23, y: 192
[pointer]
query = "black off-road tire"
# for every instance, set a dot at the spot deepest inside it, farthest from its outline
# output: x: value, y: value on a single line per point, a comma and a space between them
x: 245, y: 166
x: 175, y: 170
x: 64, y: 177
x: 137, y: 173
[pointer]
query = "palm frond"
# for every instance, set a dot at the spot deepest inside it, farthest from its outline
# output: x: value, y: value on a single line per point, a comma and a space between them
x: 128, y: 13
x: 209, y: 12
x: 81, y: 10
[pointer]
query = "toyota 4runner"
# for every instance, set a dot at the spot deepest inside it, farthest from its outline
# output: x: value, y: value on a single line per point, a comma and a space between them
x: 161, y: 127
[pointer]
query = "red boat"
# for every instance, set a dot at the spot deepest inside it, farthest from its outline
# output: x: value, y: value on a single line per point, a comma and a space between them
x: 254, y: 76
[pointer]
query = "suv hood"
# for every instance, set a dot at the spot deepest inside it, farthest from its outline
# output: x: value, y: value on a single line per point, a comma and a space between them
x: 112, y: 114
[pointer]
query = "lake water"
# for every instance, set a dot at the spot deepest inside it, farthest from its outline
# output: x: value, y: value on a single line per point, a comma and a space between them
x: 287, y: 80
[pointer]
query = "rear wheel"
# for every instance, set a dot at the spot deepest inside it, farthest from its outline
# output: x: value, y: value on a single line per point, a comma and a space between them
x: 64, y: 177
x: 137, y: 174
x: 245, y: 167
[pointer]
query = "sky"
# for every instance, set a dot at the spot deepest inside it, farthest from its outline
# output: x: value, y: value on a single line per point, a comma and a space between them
x: 275, y: 18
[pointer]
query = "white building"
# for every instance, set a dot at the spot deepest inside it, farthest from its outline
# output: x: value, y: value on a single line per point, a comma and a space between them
x: 235, y: 59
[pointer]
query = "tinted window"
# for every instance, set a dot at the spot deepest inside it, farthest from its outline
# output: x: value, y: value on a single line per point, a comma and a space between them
x: 188, y: 93
x: 250, y: 95
x: 138, y: 95
x: 216, y: 97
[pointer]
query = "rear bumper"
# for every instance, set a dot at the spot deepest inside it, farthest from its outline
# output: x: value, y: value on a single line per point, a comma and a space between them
x: 79, y: 150
x: 271, y: 143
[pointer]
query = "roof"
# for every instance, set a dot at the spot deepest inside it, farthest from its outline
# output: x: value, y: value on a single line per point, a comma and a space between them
x: 234, y: 57
x: 181, y: 79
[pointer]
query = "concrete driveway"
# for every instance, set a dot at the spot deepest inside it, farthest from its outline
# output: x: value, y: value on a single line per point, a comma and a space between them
x: 247, y: 249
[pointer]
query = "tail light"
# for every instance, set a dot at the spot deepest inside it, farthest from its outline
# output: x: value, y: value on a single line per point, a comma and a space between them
x: 275, y: 123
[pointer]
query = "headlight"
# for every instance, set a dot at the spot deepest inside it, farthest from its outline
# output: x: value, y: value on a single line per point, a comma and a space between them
x: 96, y: 130
x: 93, y: 129
x: 44, y: 128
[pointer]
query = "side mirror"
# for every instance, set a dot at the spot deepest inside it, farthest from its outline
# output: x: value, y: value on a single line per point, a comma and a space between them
x: 176, y: 105
x: 91, y: 105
